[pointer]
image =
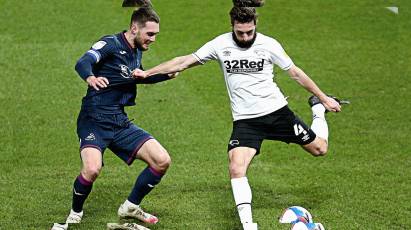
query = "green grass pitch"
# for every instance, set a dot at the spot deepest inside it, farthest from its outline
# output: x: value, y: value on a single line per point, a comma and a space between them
x: 356, y: 49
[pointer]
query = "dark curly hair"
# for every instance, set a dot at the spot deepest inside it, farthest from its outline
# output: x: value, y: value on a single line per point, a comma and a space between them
x: 243, y: 15
x: 248, y: 3
x: 137, y: 3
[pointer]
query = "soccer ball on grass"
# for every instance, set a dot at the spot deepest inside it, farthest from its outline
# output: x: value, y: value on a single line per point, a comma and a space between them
x: 295, y: 214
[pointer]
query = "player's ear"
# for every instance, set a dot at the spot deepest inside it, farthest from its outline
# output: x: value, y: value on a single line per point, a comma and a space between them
x: 134, y: 28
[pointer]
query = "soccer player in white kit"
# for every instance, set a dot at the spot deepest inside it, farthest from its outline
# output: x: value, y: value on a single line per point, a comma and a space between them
x: 258, y: 107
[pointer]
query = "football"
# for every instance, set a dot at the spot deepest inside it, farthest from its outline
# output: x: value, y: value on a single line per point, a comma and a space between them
x: 295, y: 214
x: 307, y: 226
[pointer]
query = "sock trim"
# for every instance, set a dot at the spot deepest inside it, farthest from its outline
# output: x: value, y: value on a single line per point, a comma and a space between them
x: 84, y: 181
x: 243, y: 203
x: 155, y: 172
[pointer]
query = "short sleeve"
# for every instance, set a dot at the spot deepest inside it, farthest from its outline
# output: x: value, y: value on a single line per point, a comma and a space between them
x: 280, y: 57
x: 206, y: 53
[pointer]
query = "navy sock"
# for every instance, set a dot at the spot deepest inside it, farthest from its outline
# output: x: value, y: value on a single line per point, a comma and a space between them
x: 145, y: 182
x: 81, y: 189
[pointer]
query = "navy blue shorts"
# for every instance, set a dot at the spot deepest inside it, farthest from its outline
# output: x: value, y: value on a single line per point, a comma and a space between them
x: 113, y: 131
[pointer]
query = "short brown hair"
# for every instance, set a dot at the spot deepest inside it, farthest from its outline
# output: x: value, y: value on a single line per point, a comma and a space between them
x: 248, y: 3
x: 243, y: 15
x: 143, y: 15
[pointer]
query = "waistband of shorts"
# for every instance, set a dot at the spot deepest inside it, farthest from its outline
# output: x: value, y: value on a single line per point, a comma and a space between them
x: 116, y: 109
x: 284, y: 109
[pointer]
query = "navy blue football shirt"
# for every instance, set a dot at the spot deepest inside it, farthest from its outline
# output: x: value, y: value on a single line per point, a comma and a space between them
x: 112, y: 57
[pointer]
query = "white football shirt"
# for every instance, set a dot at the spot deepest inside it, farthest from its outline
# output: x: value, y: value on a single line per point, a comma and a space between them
x: 248, y: 73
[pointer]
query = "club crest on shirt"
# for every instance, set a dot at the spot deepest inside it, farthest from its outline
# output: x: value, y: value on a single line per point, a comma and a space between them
x: 226, y: 53
x: 260, y: 53
x: 125, y: 71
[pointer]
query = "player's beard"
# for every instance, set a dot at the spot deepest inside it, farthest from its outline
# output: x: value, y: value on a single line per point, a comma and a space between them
x: 246, y: 44
x: 138, y: 42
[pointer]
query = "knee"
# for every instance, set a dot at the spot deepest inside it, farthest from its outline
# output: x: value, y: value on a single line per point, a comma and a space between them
x: 237, y: 170
x: 239, y: 159
x: 163, y: 162
x: 91, y: 172
x: 319, y: 151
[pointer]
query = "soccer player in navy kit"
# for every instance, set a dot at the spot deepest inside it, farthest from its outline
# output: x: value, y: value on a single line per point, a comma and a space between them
x: 102, y: 123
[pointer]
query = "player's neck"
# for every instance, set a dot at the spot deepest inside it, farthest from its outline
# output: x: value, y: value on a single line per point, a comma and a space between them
x: 129, y: 38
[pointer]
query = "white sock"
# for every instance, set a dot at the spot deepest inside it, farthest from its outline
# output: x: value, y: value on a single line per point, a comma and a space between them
x: 250, y: 226
x: 242, y: 198
x: 319, y: 125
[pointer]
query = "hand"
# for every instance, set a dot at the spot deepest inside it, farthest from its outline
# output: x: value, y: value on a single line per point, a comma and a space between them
x: 173, y: 75
x: 138, y: 73
x: 331, y: 105
x: 97, y: 82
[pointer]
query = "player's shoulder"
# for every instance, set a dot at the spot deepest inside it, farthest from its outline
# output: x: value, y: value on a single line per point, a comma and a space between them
x: 221, y: 41
x: 109, y: 38
x: 106, y: 40
x: 269, y: 43
x: 226, y: 37
x: 262, y: 38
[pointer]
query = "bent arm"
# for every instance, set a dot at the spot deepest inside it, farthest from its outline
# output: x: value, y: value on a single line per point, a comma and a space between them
x: 177, y: 64
x: 84, y: 66
x: 305, y: 81
x: 299, y: 76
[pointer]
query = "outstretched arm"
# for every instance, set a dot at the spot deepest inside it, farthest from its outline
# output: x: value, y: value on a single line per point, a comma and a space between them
x: 175, y: 65
x: 305, y: 81
x: 153, y: 78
